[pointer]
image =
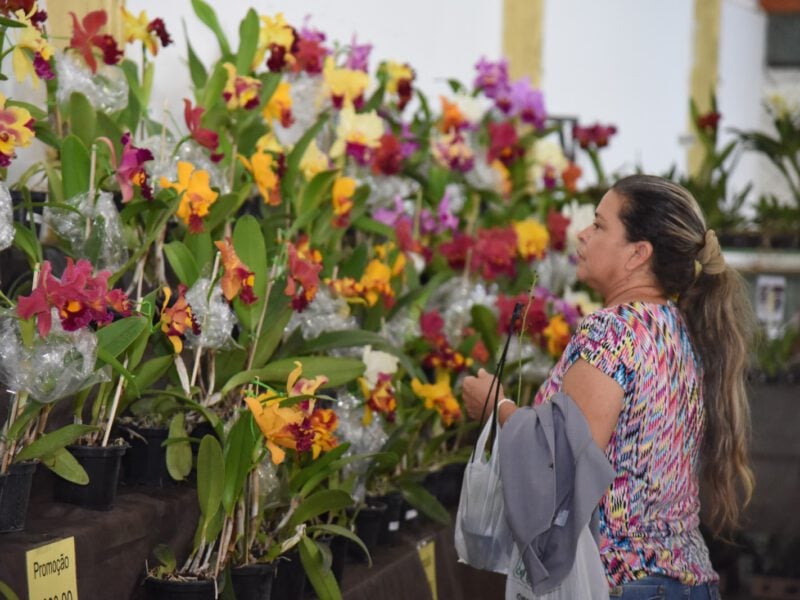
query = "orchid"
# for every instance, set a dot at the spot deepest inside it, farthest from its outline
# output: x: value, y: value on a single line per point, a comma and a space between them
x: 346, y: 87
x: 452, y: 118
x: 302, y: 281
x: 492, y: 77
x: 557, y: 335
x: 86, y: 35
x: 314, y: 161
x: 240, y: 91
x: 454, y: 152
x: 439, y: 396
x: 503, y: 144
x: 280, y: 105
x: 593, y: 136
x: 376, y: 281
x: 557, y: 226
x: 177, y: 317
x: 79, y: 298
x: 358, y: 56
x: 262, y: 166
x: 275, y: 422
x: 205, y: 137
x: 30, y: 40
x: 310, y: 53
x: 495, y: 251
x: 277, y: 36
x: 388, y: 157
x: 527, y: 103
x: 380, y: 397
x: 532, y: 238
x: 16, y: 130
x: 357, y: 135
x: 196, y: 195
x: 131, y: 171
x: 237, y: 279
x: 398, y: 82
x: 146, y: 31
x: 342, y: 198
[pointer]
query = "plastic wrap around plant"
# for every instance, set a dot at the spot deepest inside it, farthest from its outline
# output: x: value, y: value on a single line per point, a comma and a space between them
x: 307, y: 101
x: 103, y: 243
x: 324, y: 313
x: 166, y: 158
x: 385, y: 188
x: 6, y: 218
x: 484, y: 176
x: 364, y: 439
x: 557, y: 272
x: 106, y: 90
x: 54, y: 367
x: 400, y: 327
x: 215, y: 317
x: 455, y: 300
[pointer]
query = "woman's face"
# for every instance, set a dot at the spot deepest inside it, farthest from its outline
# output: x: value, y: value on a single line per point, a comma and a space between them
x: 603, y: 249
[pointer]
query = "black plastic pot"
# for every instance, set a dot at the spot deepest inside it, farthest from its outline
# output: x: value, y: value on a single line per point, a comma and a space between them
x: 339, y: 546
x: 253, y: 582
x: 369, y: 522
x: 433, y: 484
x: 145, y: 462
x: 450, y: 483
x: 290, y: 577
x: 392, y: 518
x: 163, y: 589
x: 102, y: 465
x: 15, y: 491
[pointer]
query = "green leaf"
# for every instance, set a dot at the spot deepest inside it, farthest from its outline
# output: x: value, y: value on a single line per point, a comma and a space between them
x: 147, y: 374
x: 4, y: 22
x: 66, y: 466
x: 210, y: 477
x: 53, y: 441
x: 316, y: 467
x: 166, y: 557
x: 20, y: 424
x: 486, y: 323
x: 319, y: 503
x: 373, y: 226
x: 272, y: 333
x: 320, y: 576
x: 82, y: 118
x: 239, y: 447
x: 420, y: 498
x: 45, y: 134
x: 179, y: 450
x: 5, y: 589
x: 116, y: 338
x: 212, y: 93
x: 225, y: 206
x: 248, y: 42
x: 343, y: 532
x: 26, y: 241
x: 313, y: 194
x: 207, y: 15
x: 104, y: 356
x: 339, y: 371
x: 196, y: 69
x: 75, y: 166
x: 248, y: 241
x: 202, y: 251
x: 182, y: 262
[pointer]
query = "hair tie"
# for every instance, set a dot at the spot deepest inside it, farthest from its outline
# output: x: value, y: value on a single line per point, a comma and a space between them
x: 710, y: 256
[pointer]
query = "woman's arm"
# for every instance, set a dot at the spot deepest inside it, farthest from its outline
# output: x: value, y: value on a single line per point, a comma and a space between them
x: 598, y: 396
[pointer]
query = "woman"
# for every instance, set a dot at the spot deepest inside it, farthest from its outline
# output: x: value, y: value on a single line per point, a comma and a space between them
x: 658, y: 373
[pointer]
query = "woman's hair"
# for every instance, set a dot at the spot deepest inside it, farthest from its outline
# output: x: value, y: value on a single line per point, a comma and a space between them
x: 713, y: 299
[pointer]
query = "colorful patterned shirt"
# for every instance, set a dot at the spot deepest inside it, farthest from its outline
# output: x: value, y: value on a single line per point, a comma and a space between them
x: 649, y: 517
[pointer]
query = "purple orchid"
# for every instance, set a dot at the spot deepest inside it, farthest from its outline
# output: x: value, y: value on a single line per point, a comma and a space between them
x: 528, y: 103
x: 358, y: 58
x: 492, y: 77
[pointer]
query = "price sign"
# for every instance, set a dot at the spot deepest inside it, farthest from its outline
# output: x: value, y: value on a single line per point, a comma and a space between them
x: 52, y: 571
x: 427, y: 555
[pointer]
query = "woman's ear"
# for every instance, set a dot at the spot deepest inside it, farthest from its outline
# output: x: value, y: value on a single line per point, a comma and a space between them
x: 642, y: 253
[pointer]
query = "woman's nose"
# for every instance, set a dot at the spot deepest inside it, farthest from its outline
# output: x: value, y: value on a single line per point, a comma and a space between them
x: 582, y: 235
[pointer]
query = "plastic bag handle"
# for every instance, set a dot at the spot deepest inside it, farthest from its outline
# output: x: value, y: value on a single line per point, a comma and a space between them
x: 495, y: 384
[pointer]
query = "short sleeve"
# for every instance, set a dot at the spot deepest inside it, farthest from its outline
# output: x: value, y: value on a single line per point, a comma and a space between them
x: 607, y: 342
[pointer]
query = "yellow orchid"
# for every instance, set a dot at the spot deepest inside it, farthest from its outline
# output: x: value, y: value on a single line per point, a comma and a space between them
x: 323, y: 423
x: 16, y: 130
x: 396, y: 72
x: 197, y: 195
x: 314, y: 161
x: 274, y: 31
x: 357, y: 134
x: 557, y: 334
x: 342, y: 197
x: 269, y: 143
x: 532, y: 238
x: 30, y: 41
x: 345, y: 86
x: 137, y: 28
x: 439, y: 396
x: 261, y: 166
x: 240, y: 91
x: 377, y: 282
x: 280, y: 105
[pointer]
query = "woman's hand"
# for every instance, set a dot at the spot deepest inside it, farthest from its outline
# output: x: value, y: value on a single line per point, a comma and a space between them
x: 474, y: 391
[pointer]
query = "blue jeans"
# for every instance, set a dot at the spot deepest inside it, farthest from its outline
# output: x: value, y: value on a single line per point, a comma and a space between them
x: 659, y: 587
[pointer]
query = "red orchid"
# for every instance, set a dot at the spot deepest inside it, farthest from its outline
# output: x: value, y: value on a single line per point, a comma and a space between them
x: 157, y: 26
x: 495, y: 251
x: 535, y: 319
x: 594, y: 135
x: 310, y: 56
x: 404, y: 230
x: 457, y: 250
x: 78, y: 297
x: 131, y: 171
x: 557, y: 227
x: 432, y: 324
x: 205, y: 137
x: 388, y: 157
x: 85, y: 35
x: 504, y: 143
x: 709, y: 121
x: 177, y: 317
x: 303, y: 279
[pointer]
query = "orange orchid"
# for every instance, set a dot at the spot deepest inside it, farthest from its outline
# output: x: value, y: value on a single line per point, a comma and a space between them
x: 343, y: 190
x: 280, y: 105
x: 262, y: 167
x: 197, y: 195
x: 177, y: 318
x: 237, y: 280
x: 557, y: 334
x: 439, y: 396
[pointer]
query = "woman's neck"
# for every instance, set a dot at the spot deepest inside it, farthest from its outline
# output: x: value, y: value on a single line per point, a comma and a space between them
x: 636, y: 293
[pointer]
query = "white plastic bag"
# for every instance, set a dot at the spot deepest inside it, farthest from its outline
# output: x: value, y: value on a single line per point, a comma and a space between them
x: 585, y: 581
x: 482, y: 535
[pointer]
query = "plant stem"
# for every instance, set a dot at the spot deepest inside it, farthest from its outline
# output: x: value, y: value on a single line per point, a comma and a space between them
x: 261, y: 317
x: 114, y: 404
x: 90, y: 215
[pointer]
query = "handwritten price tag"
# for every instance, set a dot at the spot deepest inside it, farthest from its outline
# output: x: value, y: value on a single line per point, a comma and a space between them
x: 52, y: 571
x: 427, y: 555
